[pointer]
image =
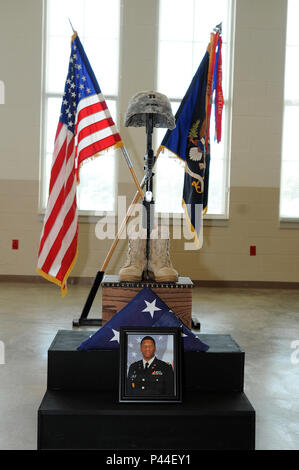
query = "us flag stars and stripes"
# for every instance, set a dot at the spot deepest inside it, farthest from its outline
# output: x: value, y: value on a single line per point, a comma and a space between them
x: 85, y: 128
x: 145, y: 309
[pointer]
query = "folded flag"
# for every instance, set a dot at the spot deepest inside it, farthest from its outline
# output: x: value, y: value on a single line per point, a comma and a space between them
x: 191, y: 342
x: 145, y: 309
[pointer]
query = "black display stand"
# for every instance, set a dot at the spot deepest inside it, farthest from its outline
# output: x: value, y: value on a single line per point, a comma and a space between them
x: 80, y: 409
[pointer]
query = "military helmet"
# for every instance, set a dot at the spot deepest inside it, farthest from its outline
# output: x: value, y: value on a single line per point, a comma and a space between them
x: 149, y: 102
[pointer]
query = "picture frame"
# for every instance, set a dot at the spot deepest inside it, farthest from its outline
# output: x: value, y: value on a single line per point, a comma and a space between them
x: 160, y: 380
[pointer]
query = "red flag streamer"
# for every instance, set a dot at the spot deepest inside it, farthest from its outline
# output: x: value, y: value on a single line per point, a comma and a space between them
x: 219, y: 103
x: 209, y: 94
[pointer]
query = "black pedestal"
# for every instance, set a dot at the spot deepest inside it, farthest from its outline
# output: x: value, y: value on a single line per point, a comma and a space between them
x: 220, y: 368
x: 80, y: 409
x: 91, y: 420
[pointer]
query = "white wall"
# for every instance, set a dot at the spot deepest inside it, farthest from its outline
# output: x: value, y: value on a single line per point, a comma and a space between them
x: 20, y: 70
x: 258, y: 92
x: 255, y: 150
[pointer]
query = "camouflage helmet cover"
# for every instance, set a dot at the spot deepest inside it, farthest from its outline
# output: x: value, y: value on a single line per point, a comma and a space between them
x: 149, y: 102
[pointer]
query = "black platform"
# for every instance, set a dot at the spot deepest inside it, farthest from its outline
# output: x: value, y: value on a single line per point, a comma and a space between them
x: 220, y: 368
x: 91, y: 420
x: 80, y: 409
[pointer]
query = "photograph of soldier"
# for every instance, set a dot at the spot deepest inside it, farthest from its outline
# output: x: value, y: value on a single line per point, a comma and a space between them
x: 150, y: 375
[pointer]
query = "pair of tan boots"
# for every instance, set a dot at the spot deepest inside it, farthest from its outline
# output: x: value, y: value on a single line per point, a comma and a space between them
x: 159, y: 266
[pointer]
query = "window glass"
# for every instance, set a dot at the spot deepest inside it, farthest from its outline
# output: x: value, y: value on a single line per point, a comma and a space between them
x: 183, y: 38
x: 289, y: 188
x: 100, y: 38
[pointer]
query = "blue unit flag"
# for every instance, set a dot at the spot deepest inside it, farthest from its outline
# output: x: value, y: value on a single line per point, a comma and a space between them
x: 189, y: 140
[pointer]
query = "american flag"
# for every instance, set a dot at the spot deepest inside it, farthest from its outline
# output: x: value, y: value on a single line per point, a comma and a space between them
x: 145, y: 309
x: 85, y: 128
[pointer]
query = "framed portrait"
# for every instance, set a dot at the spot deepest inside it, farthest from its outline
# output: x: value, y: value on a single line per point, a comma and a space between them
x: 150, y: 364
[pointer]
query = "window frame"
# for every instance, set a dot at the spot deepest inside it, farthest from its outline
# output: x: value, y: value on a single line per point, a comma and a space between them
x: 226, y: 136
x: 83, y: 215
x: 286, y: 222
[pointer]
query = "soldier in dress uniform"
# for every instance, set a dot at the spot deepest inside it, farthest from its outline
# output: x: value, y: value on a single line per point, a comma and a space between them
x: 150, y: 376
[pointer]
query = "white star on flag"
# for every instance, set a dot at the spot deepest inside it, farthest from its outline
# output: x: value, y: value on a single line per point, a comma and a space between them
x: 116, y: 336
x: 151, y: 307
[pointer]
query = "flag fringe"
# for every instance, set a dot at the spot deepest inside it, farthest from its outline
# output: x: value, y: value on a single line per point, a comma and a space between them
x: 74, y: 37
x: 61, y: 284
x: 48, y: 277
x: 116, y: 146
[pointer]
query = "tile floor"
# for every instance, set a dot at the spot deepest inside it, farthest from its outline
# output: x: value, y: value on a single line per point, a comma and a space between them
x: 264, y: 322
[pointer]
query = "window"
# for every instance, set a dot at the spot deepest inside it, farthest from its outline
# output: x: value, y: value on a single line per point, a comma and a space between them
x: 184, y: 33
x: 289, y: 188
x: 97, y: 23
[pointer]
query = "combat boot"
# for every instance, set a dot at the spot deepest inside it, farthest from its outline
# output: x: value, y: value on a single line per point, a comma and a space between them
x: 159, y: 261
x: 136, y: 261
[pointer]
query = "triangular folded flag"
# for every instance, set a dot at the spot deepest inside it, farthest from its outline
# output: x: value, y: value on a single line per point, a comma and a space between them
x: 145, y: 309
x: 190, y: 341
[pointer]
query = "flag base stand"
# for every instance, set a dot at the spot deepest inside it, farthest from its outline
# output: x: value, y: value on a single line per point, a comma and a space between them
x: 87, y: 322
x: 83, y: 320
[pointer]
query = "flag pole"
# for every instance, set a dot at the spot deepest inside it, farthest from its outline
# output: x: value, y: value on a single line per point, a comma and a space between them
x: 218, y: 28
x: 125, y: 152
x: 124, y: 222
x: 83, y: 320
x: 122, y: 227
x: 71, y: 25
x: 130, y: 165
